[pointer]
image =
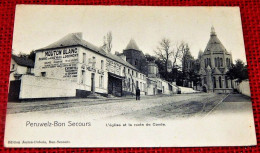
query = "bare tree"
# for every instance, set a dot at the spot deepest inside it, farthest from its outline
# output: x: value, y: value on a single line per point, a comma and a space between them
x: 107, y: 43
x: 183, y: 51
x: 164, y: 52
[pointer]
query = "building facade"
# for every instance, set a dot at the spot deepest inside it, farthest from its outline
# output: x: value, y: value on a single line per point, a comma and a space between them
x: 86, y: 69
x: 215, y: 63
x: 20, y: 66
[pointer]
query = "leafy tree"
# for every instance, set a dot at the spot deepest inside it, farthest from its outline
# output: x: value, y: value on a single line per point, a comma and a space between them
x: 32, y: 55
x: 150, y: 58
x: 238, y: 71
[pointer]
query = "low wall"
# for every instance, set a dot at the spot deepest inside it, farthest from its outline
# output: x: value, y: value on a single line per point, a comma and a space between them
x: 42, y: 87
x: 244, y: 88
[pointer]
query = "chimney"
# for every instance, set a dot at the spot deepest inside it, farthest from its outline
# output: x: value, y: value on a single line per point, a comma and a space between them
x: 116, y: 53
x: 79, y: 35
x: 123, y: 57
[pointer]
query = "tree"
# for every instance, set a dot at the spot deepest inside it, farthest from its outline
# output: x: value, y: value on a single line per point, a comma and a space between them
x: 107, y: 42
x: 150, y: 58
x: 238, y: 71
x: 32, y: 55
x: 22, y: 55
x: 164, y: 52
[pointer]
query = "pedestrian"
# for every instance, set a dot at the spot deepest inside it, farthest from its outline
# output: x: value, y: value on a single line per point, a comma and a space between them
x: 137, y: 93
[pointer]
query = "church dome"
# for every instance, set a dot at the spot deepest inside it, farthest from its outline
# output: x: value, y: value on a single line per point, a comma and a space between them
x: 214, y: 45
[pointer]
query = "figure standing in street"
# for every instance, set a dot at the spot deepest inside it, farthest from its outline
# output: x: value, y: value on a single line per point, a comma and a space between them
x: 137, y: 93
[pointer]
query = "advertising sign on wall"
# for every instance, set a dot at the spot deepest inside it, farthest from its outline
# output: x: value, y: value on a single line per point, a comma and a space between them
x: 65, y: 58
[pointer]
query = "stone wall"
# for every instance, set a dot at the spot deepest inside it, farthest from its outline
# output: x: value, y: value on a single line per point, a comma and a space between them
x: 42, y: 87
x: 244, y: 88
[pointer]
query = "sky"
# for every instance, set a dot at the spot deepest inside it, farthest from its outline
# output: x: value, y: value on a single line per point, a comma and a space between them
x: 37, y: 26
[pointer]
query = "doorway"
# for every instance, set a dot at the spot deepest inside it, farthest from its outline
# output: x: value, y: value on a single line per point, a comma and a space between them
x: 93, y: 82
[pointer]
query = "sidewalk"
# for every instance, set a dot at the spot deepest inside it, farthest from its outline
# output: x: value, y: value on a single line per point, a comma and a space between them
x: 237, y: 98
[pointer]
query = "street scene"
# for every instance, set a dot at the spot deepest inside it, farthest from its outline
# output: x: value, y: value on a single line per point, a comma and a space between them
x: 148, y: 108
x: 121, y: 76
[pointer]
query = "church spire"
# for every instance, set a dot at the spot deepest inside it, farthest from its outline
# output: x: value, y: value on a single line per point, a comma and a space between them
x: 132, y: 45
x: 212, y: 31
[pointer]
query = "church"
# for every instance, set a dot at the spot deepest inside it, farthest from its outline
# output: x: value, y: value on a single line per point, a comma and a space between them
x: 214, y: 64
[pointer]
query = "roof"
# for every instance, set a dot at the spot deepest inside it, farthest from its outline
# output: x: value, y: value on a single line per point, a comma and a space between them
x: 214, y: 44
x: 132, y: 45
x: 23, y: 61
x: 75, y: 39
x: 202, y: 71
x: 216, y: 71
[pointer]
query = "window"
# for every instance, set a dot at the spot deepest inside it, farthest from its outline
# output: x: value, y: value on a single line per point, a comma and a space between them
x: 129, y: 82
x: 221, y: 62
x: 132, y: 73
x: 29, y: 70
x: 101, y: 81
x: 214, y: 82
x: 84, y: 58
x: 226, y: 79
x: 227, y: 62
x: 124, y: 70
x: 13, y: 66
x: 93, y: 62
x: 220, y: 84
x: 136, y: 74
x: 102, y: 65
x: 128, y: 71
x: 82, y: 81
x: 218, y: 64
x: 43, y: 74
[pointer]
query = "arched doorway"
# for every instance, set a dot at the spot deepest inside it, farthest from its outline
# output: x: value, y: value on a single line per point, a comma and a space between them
x: 204, y: 88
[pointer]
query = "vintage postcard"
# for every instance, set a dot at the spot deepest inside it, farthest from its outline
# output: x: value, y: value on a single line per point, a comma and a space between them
x: 128, y: 76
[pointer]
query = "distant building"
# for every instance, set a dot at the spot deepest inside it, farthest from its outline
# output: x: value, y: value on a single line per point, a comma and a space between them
x: 155, y: 85
x: 135, y: 56
x: 215, y: 62
x: 20, y: 66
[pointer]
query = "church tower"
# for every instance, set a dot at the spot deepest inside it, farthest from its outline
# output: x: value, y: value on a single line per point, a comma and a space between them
x: 135, y: 56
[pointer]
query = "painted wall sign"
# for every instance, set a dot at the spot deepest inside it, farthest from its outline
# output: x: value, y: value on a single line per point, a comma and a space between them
x: 65, y: 59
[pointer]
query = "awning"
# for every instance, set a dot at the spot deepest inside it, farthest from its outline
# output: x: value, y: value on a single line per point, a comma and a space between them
x: 116, y: 76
